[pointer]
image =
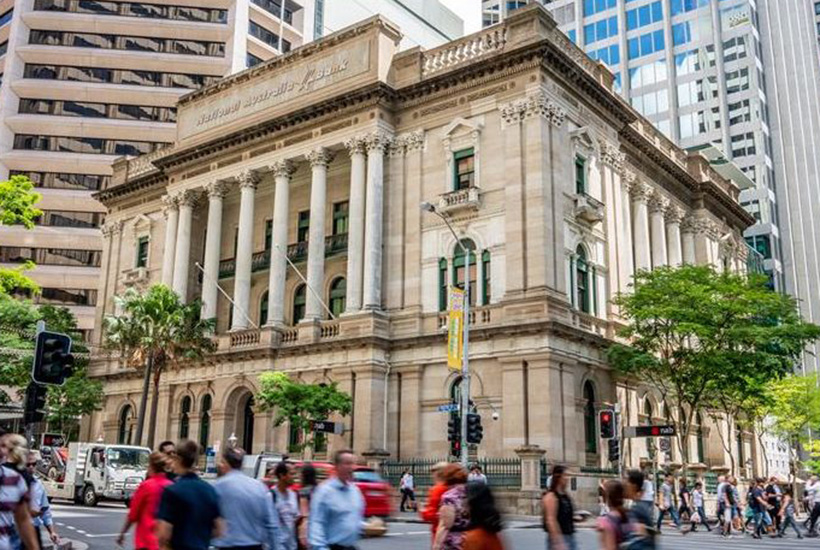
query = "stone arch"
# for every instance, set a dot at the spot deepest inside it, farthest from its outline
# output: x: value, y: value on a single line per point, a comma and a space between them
x: 126, y: 422
x: 240, y: 414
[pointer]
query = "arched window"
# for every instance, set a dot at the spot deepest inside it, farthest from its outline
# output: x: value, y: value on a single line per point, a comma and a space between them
x: 247, y: 425
x: 263, y: 309
x: 700, y: 439
x: 459, y: 267
x: 338, y: 296
x: 184, y: 419
x: 590, y: 426
x: 582, y: 280
x: 486, y: 290
x: 205, y: 420
x: 299, y: 300
x: 125, y: 425
x: 442, y: 284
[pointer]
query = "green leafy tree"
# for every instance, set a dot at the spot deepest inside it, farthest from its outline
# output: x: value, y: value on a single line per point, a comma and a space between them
x: 156, y: 331
x: 795, y: 410
x: 702, y: 337
x: 17, y: 200
x: 79, y: 395
x: 301, y: 404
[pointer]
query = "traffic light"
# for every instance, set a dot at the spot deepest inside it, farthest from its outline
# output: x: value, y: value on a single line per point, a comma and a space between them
x: 52, y: 358
x: 454, y: 428
x: 475, y: 432
x: 35, y: 403
x: 455, y: 448
x: 607, y: 423
x: 614, y: 450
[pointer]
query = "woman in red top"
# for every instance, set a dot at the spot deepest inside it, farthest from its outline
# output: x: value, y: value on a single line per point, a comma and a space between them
x: 144, y: 505
x: 430, y: 511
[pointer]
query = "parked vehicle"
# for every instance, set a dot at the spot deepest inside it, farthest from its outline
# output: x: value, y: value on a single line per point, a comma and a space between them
x: 376, y: 491
x: 95, y: 471
x: 52, y: 462
x: 260, y: 466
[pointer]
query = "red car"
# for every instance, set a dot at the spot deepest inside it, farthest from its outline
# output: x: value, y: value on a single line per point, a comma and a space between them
x: 376, y: 491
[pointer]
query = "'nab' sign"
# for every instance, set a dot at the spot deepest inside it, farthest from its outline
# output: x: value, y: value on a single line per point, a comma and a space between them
x: 649, y: 431
x: 328, y: 427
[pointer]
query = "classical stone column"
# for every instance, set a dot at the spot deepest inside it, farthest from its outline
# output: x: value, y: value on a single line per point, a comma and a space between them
x: 213, y: 243
x: 282, y: 171
x: 244, y: 250
x: 688, y: 240
x: 674, y: 215
x: 640, y: 193
x: 319, y: 160
x: 171, y: 212
x: 374, y: 213
x: 657, y: 212
x: 182, y: 257
x: 357, y: 148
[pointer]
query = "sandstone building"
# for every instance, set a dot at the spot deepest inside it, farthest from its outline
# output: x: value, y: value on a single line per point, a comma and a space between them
x: 560, y: 188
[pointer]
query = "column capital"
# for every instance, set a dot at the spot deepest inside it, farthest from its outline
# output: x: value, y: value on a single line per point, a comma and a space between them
x: 379, y: 141
x: 282, y: 168
x: 319, y: 157
x: 611, y: 155
x: 512, y: 113
x: 674, y: 214
x: 169, y: 202
x: 111, y: 228
x: 356, y: 145
x: 639, y: 191
x: 188, y: 197
x: 658, y: 204
x: 539, y: 104
x: 407, y: 143
x: 687, y: 224
x: 217, y: 189
x: 247, y: 179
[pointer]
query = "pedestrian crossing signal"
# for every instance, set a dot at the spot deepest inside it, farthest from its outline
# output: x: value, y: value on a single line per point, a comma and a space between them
x: 607, y: 423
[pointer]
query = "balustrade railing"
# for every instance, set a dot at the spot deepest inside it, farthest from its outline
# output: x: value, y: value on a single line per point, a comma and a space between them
x: 297, y: 252
x: 464, y: 50
x: 245, y: 338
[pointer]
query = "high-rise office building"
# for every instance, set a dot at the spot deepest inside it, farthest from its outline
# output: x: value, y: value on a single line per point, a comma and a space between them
x: 788, y: 33
x: 695, y: 69
x: 87, y: 81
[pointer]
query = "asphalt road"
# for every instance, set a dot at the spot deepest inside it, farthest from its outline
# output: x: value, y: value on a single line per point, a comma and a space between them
x: 97, y: 528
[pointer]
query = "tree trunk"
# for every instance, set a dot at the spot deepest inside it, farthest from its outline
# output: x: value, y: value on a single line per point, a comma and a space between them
x: 727, y: 445
x: 152, y: 421
x: 146, y: 381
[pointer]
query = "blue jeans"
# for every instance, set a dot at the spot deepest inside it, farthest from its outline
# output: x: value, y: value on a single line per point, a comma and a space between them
x: 702, y: 514
x: 569, y: 543
x: 672, y: 512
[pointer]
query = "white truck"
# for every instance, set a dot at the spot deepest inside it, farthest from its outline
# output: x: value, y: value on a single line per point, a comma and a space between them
x: 96, y: 471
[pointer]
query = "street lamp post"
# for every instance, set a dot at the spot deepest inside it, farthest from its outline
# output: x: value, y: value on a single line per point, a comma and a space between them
x: 465, y: 354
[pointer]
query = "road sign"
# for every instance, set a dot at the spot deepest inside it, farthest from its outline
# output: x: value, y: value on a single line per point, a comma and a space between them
x: 328, y: 427
x: 649, y: 431
x: 448, y: 408
x: 53, y: 440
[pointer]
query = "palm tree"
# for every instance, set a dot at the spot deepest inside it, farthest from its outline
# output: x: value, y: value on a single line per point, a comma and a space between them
x: 154, y: 331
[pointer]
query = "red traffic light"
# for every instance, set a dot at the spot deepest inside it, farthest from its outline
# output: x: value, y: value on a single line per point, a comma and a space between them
x: 606, y: 417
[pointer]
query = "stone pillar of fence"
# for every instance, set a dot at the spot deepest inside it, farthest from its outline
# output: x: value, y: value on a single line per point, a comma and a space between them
x: 376, y: 458
x: 530, y: 456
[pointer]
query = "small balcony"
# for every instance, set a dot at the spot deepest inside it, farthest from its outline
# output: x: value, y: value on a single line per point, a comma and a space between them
x: 588, y: 209
x: 297, y: 252
x: 460, y: 199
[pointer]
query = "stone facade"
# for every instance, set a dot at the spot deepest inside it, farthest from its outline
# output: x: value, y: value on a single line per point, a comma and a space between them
x: 565, y: 191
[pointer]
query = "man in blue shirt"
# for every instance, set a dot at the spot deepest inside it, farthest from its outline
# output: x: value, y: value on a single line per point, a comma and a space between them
x: 188, y: 513
x: 246, y: 506
x: 41, y: 509
x: 337, y: 509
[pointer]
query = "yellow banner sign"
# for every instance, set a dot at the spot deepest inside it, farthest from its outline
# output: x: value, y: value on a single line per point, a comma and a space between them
x: 455, y: 333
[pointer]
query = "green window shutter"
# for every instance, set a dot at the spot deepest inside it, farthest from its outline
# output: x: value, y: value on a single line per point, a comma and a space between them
x: 442, y: 284
x: 142, y: 251
x: 486, y: 291
x: 580, y: 174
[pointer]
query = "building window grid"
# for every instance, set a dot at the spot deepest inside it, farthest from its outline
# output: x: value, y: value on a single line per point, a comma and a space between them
x: 340, y: 218
x: 263, y: 34
x: 646, y: 44
x: 6, y: 17
x: 124, y: 42
x: 58, y: 180
x: 97, y: 110
x: 50, y: 256
x: 303, y: 227
x: 601, y: 30
x: 84, y: 145
x: 117, y: 76
x: 68, y: 218
x: 591, y: 7
x: 135, y: 9
x: 644, y: 15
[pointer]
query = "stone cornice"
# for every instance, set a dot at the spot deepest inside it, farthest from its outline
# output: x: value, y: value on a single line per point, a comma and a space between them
x: 311, y: 49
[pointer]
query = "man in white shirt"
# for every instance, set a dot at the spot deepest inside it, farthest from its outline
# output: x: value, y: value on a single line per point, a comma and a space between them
x: 813, y: 498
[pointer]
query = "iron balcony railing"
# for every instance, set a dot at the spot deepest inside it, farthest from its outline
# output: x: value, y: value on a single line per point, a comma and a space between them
x: 297, y: 252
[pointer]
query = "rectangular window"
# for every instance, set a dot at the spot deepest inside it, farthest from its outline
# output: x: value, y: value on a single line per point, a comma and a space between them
x: 464, y: 166
x: 340, y: 218
x: 263, y: 34
x: 684, y: 6
x: 743, y: 145
x: 580, y: 175
x: 734, y: 48
x: 737, y: 81
x: 572, y: 36
x: 645, y: 15
x: 303, y: 229
x: 591, y: 7
x: 142, y: 251
x: 268, y: 234
x: 646, y: 44
x: 601, y: 30
x: 6, y: 17
x: 681, y: 33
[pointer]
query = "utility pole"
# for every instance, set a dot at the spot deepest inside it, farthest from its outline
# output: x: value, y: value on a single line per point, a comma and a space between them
x: 465, y: 355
